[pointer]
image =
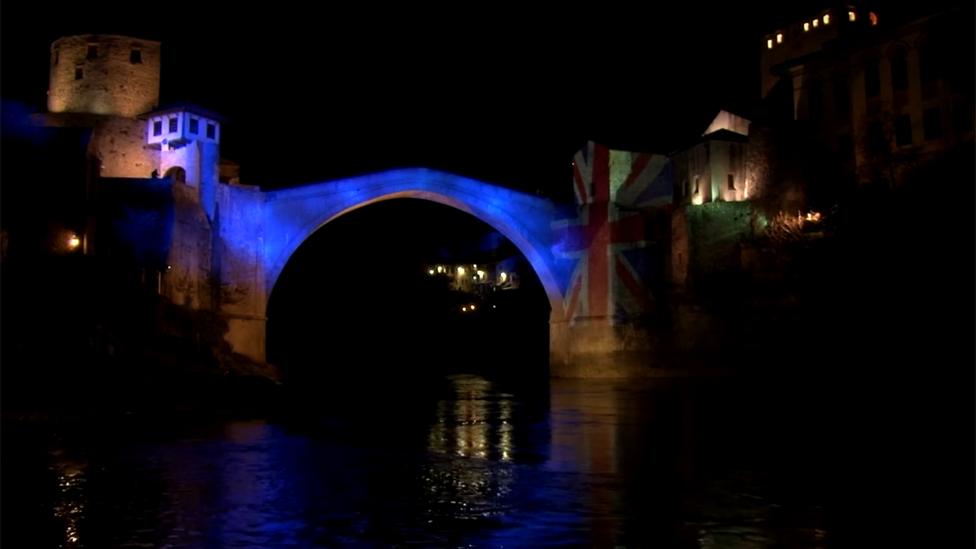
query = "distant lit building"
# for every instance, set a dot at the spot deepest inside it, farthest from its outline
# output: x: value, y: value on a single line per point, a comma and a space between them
x: 882, y: 97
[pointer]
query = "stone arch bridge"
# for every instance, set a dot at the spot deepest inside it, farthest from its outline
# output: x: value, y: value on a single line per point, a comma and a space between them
x: 579, y: 254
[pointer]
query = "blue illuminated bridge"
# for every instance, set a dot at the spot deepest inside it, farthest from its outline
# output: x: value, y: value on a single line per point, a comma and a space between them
x: 260, y: 230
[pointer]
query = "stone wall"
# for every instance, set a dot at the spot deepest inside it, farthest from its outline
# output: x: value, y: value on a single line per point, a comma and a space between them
x: 120, y: 145
x: 104, y: 80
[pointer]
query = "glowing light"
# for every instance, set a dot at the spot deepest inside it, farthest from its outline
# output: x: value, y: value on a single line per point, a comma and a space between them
x: 873, y: 17
x: 472, y: 307
x: 464, y: 309
x: 430, y: 272
x: 460, y: 271
x: 494, y: 306
x: 476, y: 266
x: 816, y: 23
x: 74, y: 242
x: 851, y: 16
x: 779, y: 38
x: 826, y: 19
x: 769, y: 43
x: 813, y: 216
x: 806, y: 27
x: 503, y: 276
x: 481, y: 274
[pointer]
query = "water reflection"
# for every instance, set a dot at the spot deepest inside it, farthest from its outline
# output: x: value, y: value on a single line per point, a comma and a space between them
x: 69, y: 506
x: 595, y: 464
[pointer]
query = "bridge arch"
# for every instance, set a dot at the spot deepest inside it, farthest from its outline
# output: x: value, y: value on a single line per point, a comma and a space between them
x: 293, y: 215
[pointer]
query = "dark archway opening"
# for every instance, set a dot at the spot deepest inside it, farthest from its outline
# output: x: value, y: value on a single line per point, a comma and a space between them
x: 377, y: 294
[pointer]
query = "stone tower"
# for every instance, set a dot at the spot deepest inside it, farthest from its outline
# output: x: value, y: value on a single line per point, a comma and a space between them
x: 104, y: 74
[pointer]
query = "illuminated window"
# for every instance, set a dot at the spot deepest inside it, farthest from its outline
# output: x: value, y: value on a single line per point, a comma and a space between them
x: 779, y: 38
x: 826, y: 19
x: 79, y: 73
x: 172, y: 125
x: 211, y: 131
x: 806, y: 27
x: 135, y: 57
x: 769, y: 44
x: 92, y: 51
x: 194, y: 126
x: 851, y: 16
x: 157, y: 127
x: 731, y: 182
x: 816, y: 23
x: 873, y: 17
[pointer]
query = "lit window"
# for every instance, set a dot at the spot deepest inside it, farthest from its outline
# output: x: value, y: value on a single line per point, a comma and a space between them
x: 826, y: 19
x: 172, y: 125
x: 779, y: 38
x: 135, y: 57
x: 806, y: 27
x: 851, y: 16
x: 873, y: 17
x: 816, y: 23
x: 769, y: 44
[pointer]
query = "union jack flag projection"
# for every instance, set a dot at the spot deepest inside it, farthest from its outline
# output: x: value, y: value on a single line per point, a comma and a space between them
x: 607, y: 240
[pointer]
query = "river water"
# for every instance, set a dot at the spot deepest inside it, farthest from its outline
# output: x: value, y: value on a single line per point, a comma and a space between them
x: 464, y: 461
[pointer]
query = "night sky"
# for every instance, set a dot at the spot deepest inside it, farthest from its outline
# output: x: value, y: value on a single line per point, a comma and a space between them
x: 502, y: 94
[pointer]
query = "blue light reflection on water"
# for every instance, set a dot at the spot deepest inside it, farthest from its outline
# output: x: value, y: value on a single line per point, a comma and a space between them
x: 595, y: 464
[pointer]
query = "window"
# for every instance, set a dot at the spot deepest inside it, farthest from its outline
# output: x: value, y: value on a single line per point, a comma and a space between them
x: 873, y: 17
x: 899, y: 72
x: 135, y: 57
x: 816, y: 23
x: 826, y: 19
x: 932, y: 123
x: 769, y: 43
x: 157, y: 127
x: 696, y: 184
x: 194, y: 126
x: 779, y: 38
x: 842, y: 96
x: 851, y: 16
x: 172, y: 124
x: 79, y: 73
x: 731, y: 182
x: 92, y: 51
x: 872, y: 79
x: 928, y: 64
x: 876, y: 137
x: 815, y: 101
x: 903, y: 130
x: 806, y: 27
x: 211, y: 131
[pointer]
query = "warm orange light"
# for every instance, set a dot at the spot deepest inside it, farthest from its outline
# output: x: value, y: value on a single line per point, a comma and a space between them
x: 430, y: 272
x: 74, y: 242
x: 806, y: 27
x: 826, y: 19
x: 816, y: 23
x: 873, y: 17
x: 464, y: 309
x: 851, y: 16
x: 503, y: 276
x: 769, y: 43
x: 460, y: 271
x: 779, y: 38
x: 472, y: 307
